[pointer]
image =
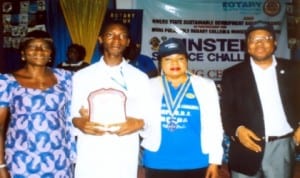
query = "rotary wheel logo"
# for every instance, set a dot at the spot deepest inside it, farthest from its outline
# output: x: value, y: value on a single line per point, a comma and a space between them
x: 272, y: 7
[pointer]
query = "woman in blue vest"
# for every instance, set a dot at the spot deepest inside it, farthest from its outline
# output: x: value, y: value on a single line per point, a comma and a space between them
x: 192, y: 133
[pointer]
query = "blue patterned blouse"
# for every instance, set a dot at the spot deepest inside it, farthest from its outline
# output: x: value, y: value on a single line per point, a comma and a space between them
x: 38, y: 142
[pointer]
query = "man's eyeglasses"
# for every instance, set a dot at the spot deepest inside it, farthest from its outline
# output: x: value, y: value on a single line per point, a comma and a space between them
x: 121, y: 36
x: 260, y: 39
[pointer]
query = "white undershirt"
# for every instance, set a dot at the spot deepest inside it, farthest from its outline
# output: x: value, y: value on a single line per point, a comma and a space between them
x: 274, y: 117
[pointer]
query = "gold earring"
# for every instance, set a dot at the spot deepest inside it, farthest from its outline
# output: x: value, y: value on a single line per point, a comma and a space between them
x: 23, y: 58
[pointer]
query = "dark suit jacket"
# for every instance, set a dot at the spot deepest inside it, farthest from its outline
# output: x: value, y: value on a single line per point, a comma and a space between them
x: 240, y: 105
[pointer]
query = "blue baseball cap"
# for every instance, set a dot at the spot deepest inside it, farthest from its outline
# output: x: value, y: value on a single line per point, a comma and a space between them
x: 171, y: 46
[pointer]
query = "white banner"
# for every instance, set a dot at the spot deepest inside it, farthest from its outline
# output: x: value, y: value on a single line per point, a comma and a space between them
x: 213, y: 30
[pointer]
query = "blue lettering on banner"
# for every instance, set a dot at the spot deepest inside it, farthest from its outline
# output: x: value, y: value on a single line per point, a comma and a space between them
x: 225, y: 57
x: 213, y: 50
x: 210, y: 44
x: 241, y: 5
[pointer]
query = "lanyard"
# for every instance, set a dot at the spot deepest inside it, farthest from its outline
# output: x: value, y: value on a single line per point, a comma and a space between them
x: 122, y: 82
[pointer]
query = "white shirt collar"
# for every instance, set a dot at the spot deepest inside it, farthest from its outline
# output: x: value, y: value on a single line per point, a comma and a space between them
x: 257, y: 67
x: 64, y: 64
x: 102, y: 62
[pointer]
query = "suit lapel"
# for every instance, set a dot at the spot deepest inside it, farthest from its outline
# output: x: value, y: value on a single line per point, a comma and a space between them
x: 250, y: 85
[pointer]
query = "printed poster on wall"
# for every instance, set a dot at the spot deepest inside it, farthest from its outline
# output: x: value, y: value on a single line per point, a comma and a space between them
x: 20, y: 17
x: 213, y: 30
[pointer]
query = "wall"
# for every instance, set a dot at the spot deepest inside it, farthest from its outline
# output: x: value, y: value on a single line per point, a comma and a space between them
x: 124, y: 4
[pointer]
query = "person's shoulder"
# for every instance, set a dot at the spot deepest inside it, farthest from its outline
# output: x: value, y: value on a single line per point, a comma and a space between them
x: 6, y: 76
x: 142, y: 56
x: 145, y: 59
x: 85, y: 64
x: 88, y: 71
x: 201, y: 79
x: 89, y: 67
x: 60, y: 65
x: 293, y: 66
x: 133, y: 69
x: 62, y: 73
x: 60, y: 70
x: 156, y: 84
x: 156, y: 79
x: 237, y: 68
x: 288, y: 61
x: 206, y: 84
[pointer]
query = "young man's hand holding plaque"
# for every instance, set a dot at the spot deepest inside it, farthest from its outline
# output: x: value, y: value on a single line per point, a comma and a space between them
x: 107, y: 107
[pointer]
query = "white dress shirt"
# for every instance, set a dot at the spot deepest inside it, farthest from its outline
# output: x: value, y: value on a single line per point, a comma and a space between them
x: 275, y: 120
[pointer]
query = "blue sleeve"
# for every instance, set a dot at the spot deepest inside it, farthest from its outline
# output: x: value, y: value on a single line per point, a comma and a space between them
x: 147, y: 63
x: 5, y: 90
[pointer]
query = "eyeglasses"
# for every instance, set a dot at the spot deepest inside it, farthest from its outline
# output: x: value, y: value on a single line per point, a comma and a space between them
x: 262, y: 39
x: 121, y: 36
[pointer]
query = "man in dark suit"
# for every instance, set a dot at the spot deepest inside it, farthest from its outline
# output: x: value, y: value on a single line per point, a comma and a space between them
x: 260, y: 106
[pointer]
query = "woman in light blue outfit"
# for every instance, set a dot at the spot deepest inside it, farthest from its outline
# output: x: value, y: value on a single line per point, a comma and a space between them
x: 34, y: 103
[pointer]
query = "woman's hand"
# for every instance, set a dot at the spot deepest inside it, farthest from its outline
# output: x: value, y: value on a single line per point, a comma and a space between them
x: 4, y: 173
x: 212, y: 171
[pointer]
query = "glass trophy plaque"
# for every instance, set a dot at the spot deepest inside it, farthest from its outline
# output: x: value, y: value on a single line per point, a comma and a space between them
x: 107, y: 106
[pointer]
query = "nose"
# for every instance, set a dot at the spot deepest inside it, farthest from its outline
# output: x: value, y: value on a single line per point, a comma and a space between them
x: 116, y: 37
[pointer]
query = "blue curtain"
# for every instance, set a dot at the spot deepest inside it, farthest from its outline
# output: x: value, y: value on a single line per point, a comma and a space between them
x: 56, y: 26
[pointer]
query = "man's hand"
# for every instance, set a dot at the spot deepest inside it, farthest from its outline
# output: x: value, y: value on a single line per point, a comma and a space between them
x: 87, y: 126
x: 131, y: 125
x: 84, y: 124
x: 93, y: 128
x: 248, y: 138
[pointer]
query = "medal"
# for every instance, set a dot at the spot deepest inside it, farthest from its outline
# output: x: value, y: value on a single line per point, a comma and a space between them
x: 174, y: 103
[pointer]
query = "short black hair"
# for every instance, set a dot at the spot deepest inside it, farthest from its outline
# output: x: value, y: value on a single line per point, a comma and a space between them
x: 109, y: 23
x: 36, y: 34
x: 79, y: 48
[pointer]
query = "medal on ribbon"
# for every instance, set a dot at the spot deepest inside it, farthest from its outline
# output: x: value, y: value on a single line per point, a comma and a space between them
x: 174, y: 103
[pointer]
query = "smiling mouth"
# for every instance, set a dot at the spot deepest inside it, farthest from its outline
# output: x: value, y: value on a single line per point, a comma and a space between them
x: 39, y: 58
x: 175, y: 69
x: 116, y: 47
